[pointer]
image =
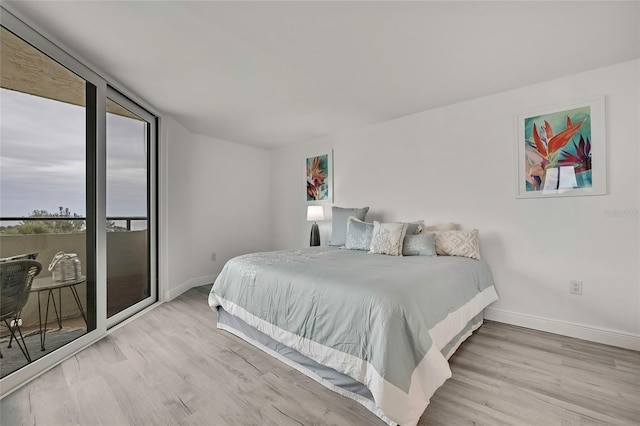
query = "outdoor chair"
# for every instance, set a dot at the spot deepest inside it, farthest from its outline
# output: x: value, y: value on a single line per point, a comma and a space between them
x: 16, y: 277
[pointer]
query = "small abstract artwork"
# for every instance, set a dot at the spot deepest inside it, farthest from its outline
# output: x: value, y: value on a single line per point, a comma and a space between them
x: 561, y: 151
x: 318, y: 178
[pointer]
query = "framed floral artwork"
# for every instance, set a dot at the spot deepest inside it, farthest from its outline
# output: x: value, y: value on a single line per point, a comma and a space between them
x: 318, y: 176
x: 561, y: 151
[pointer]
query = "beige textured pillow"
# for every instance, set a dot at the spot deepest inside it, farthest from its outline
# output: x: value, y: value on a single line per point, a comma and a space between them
x: 388, y: 238
x: 438, y: 228
x: 458, y: 243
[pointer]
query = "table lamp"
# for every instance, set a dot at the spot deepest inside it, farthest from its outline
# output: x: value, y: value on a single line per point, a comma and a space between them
x: 315, y: 213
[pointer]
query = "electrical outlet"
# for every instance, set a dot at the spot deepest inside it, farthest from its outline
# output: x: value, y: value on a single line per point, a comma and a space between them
x: 13, y: 323
x: 575, y: 287
x: 213, y: 257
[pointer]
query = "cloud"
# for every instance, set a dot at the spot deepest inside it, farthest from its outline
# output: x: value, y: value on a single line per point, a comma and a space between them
x: 43, y: 158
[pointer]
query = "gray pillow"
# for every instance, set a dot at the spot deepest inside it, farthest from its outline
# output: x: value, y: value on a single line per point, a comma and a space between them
x: 339, y: 216
x: 414, y: 227
x: 419, y: 245
x: 359, y: 234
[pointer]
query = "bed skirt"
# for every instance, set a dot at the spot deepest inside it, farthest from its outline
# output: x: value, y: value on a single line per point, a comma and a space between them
x: 326, y: 376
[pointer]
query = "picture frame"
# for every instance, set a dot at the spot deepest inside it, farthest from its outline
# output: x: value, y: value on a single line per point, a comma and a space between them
x: 561, y: 150
x: 318, y: 178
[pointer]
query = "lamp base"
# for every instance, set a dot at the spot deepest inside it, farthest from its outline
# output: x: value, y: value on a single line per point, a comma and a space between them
x: 315, y: 236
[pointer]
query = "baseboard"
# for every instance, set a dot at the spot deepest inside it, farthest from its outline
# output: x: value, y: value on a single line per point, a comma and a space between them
x: 193, y: 282
x: 580, y: 331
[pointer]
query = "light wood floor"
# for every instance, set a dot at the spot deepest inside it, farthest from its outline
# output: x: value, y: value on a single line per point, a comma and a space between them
x: 172, y: 366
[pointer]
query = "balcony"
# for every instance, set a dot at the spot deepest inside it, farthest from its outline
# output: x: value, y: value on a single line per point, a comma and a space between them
x: 127, y: 279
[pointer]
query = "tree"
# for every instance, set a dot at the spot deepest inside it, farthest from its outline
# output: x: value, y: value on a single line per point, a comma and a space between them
x: 65, y: 222
x: 112, y: 227
x: 62, y: 222
x: 75, y: 223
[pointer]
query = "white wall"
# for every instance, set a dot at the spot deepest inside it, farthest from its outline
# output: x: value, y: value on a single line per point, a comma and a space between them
x: 457, y: 164
x: 216, y: 201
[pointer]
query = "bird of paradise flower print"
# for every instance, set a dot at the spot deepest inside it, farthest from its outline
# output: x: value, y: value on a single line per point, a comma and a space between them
x: 317, y: 178
x: 559, y: 139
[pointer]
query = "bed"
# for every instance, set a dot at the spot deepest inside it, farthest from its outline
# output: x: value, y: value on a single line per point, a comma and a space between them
x: 377, y: 329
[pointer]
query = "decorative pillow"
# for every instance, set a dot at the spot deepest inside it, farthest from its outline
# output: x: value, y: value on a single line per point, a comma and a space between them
x: 388, y: 237
x: 359, y: 234
x: 415, y: 227
x: 458, y: 243
x: 339, y: 216
x: 439, y: 228
x: 419, y: 245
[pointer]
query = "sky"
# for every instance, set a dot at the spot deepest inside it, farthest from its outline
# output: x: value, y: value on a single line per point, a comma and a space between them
x: 43, y: 158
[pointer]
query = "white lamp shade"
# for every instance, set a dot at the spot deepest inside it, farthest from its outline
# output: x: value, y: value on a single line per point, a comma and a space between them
x: 315, y: 213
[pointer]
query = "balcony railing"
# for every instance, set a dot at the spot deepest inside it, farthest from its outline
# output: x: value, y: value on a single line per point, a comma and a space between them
x: 127, y: 259
x: 127, y: 219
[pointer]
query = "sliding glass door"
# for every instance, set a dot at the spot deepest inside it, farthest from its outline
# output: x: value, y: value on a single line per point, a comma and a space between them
x: 77, y: 204
x: 130, y: 207
x: 44, y: 164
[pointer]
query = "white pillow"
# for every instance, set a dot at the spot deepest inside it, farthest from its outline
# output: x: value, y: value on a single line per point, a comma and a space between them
x: 388, y: 237
x: 458, y: 243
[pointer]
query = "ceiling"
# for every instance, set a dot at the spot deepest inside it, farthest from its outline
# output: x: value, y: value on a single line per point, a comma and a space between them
x: 274, y: 73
